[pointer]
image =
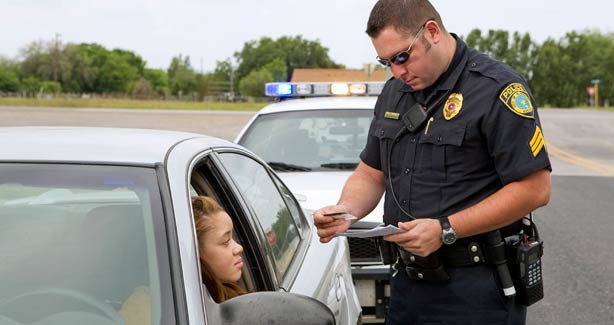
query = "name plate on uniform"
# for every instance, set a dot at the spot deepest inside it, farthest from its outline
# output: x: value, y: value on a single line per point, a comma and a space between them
x: 391, y: 115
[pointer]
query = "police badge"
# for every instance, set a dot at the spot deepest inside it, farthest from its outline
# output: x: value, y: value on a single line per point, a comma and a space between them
x: 453, y: 106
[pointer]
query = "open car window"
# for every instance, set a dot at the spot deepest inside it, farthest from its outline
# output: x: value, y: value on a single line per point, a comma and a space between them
x: 207, y: 179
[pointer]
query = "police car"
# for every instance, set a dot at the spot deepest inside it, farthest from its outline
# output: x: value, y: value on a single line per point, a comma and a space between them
x: 313, y: 139
x: 96, y: 228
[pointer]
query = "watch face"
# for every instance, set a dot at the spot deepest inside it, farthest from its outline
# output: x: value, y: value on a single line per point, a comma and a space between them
x: 449, y: 237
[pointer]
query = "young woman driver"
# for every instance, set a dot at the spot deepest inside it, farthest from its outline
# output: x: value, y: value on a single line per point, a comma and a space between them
x: 220, y: 254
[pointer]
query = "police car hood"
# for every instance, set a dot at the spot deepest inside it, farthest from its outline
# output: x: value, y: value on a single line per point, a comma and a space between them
x: 317, y: 189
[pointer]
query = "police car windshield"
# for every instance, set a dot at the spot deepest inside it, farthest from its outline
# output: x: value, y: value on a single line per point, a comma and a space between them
x: 317, y: 140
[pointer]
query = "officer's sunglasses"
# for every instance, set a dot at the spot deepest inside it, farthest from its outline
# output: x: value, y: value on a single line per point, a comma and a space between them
x: 403, y: 56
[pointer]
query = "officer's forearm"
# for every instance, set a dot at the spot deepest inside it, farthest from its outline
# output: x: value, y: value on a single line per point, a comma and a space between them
x: 505, y: 206
x: 363, y: 190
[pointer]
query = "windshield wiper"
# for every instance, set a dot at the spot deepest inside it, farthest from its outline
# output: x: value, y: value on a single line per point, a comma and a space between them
x: 283, y: 167
x: 341, y: 165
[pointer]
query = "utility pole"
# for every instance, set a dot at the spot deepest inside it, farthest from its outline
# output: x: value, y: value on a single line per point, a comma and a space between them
x: 232, y: 88
x: 596, y: 83
x: 55, y: 57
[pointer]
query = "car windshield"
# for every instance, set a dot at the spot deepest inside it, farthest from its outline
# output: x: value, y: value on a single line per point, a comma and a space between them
x: 325, y: 139
x: 79, y: 245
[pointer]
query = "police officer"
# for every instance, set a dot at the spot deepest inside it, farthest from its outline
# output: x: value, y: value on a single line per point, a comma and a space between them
x: 457, y: 147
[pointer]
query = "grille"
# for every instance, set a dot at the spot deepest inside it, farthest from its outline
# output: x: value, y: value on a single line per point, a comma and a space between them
x: 364, y: 251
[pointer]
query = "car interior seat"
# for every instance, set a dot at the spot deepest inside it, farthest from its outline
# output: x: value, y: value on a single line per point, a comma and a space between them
x: 114, y: 237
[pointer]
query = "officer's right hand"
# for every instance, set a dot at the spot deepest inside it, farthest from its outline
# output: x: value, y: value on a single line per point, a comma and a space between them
x: 328, y: 226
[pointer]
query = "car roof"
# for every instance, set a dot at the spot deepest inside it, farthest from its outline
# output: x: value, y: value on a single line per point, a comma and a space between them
x: 92, y: 145
x: 362, y: 102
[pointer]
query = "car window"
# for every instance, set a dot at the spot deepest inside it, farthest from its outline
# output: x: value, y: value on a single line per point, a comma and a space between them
x: 315, y: 140
x: 84, y: 242
x: 277, y: 222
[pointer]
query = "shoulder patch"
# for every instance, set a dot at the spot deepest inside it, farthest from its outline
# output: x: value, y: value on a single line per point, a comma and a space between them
x: 516, y: 98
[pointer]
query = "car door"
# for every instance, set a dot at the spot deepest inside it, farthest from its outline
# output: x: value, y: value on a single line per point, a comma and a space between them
x: 275, y: 233
x: 269, y: 223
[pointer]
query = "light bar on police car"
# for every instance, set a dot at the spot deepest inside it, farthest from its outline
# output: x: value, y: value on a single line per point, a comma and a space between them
x: 304, y: 89
x: 339, y: 88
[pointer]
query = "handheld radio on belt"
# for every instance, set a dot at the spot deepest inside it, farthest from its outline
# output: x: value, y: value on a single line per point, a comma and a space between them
x: 525, y: 251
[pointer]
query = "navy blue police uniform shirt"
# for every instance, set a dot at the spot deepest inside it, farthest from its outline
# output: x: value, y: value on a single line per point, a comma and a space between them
x: 484, y: 133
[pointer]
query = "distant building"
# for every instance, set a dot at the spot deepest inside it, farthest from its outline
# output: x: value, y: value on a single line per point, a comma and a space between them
x: 340, y: 75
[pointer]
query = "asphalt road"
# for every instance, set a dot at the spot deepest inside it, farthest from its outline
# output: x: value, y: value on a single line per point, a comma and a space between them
x: 577, y: 225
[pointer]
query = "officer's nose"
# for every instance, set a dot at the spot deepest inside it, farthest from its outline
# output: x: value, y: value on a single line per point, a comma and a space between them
x: 398, y: 71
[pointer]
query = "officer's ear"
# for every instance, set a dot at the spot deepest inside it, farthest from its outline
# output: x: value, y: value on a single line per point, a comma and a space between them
x: 432, y: 32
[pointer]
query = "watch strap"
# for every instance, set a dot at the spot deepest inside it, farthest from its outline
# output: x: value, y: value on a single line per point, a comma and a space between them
x: 445, y: 223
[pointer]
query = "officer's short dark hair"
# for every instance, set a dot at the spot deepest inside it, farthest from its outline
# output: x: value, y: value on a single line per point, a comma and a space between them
x: 406, y: 16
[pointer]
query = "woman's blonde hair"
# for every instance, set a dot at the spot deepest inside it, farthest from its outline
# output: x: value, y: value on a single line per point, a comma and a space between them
x: 204, y: 208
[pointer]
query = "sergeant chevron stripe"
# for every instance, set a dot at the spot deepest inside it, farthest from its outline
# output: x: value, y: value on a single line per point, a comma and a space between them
x: 537, y: 142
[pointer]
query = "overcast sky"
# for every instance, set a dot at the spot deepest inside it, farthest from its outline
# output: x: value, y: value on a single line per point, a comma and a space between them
x: 212, y: 30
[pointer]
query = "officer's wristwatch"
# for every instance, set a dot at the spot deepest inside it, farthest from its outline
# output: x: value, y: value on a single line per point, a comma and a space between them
x: 448, y: 235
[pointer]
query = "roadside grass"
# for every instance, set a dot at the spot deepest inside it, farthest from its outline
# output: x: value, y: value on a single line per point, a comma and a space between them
x: 157, y: 104
x: 129, y: 103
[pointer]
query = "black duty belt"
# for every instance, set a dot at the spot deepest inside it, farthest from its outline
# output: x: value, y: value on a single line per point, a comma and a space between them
x: 465, y: 252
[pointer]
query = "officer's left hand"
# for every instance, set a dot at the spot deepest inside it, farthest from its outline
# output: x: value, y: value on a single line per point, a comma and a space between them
x: 420, y: 237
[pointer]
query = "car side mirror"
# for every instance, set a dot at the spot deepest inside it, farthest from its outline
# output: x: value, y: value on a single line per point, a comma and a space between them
x: 269, y: 308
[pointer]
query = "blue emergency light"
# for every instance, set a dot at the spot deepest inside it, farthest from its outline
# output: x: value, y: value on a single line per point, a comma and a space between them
x: 279, y: 89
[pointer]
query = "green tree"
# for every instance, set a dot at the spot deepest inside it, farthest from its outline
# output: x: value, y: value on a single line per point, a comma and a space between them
x: 295, y: 52
x: 116, y: 74
x: 223, y: 70
x: 51, y: 61
x: 521, y: 54
x: 222, y: 80
x: 563, y: 69
x: 133, y: 60
x: 9, y: 76
x: 31, y: 86
x: 517, y: 51
x: 82, y: 74
x: 181, y: 76
x: 36, y: 61
x: 50, y: 87
x: 277, y: 68
x: 253, y: 84
x: 104, y: 71
x: 158, y: 80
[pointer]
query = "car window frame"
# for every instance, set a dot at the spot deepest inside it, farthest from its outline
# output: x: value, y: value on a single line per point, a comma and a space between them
x: 242, y: 218
x: 304, y: 229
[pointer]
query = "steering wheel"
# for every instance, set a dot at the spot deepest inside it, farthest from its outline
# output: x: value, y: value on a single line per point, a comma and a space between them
x: 82, y: 297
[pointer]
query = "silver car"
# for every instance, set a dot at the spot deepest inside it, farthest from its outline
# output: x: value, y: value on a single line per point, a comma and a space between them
x: 314, y: 144
x: 91, y: 218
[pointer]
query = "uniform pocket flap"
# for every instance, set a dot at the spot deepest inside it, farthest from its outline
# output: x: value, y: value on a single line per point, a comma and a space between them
x: 386, y: 129
x: 453, y: 136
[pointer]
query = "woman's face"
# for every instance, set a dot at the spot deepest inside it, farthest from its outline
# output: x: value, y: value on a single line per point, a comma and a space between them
x: 220, y: 251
